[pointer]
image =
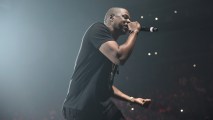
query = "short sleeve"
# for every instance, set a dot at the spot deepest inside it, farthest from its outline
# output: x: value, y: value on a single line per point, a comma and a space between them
x: 98, y: 34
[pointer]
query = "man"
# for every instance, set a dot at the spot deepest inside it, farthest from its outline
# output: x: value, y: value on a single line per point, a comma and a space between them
x: 91, y: 85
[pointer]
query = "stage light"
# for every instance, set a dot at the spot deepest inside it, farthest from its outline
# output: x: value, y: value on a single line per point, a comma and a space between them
x: 175, y: 11
x: 181, y: 110
x: 149, y: 54
x: 141, y: 17
x: 156, y: 53
x: 132, y: 108
x: 194, y: 65
x: 156, y: 18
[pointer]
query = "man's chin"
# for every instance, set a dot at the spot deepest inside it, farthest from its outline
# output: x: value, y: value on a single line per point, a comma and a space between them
x: 125, y: 31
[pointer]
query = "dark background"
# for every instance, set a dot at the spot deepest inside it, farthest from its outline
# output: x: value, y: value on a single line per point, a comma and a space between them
x: 39, y: 41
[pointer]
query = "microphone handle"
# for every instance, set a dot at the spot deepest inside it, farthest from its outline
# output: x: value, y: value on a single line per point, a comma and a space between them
x: 149, y: 29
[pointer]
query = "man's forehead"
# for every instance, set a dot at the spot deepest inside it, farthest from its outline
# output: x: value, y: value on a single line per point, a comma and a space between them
x: 123, y: 12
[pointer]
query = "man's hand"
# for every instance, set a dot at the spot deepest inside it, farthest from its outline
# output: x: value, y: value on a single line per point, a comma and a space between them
x: 143, y: 102
x: 134, y: 26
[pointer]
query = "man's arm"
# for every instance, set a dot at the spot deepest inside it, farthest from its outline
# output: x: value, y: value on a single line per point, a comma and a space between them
x: 120, y: 94
x: 119, y: 54
x: 140, y: 101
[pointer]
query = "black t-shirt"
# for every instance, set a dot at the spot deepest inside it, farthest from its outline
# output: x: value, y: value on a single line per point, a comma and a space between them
x: 90, y: 84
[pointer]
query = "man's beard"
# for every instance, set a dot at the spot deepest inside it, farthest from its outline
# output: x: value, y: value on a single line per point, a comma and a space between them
x: 124, y: 29
x: 121, y: 29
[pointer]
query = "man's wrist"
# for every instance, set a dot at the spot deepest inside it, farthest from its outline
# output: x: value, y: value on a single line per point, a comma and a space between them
x: 131, y: 99
x: 134, y: 31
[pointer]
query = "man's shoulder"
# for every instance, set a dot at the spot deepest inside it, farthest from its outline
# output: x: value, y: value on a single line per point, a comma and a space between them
x: 97, y: 24
x: 98, y: 27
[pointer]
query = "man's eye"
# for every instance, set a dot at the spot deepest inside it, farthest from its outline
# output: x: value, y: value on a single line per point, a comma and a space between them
x: 125, y: 17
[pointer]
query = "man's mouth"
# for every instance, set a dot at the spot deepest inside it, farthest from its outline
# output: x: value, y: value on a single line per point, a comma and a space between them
x: 125, y: 27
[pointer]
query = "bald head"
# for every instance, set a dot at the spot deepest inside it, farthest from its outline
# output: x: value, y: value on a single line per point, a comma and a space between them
x: 112, y: 12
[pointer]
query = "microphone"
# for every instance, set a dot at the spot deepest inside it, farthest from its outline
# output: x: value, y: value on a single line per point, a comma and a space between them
x: 149, y: 29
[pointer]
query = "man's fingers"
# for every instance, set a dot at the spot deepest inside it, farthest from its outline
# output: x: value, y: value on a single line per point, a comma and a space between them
x: 147, y: 100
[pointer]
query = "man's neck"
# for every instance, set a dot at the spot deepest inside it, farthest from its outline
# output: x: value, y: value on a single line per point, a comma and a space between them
x: 115, y: 34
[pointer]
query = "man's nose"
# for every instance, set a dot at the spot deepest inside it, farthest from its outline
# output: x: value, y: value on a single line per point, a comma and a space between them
x: 128, y: 20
